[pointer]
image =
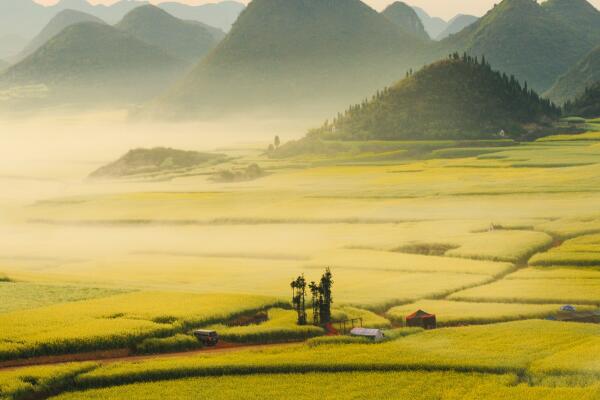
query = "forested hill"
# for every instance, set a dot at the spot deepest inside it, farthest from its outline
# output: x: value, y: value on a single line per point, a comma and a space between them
x: 56, y: 25
x: 581, y: 76
x: 284, y: 55
x: 181, y: 39
x: 535, y: 43
x: 459, y: 98
x: 587, y: 105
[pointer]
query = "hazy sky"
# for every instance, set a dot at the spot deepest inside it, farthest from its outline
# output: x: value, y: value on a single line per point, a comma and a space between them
x: 441, y: 8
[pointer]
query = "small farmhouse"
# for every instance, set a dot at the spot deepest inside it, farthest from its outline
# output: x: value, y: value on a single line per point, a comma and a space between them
x: 421, y: 319
x: 374, y: 334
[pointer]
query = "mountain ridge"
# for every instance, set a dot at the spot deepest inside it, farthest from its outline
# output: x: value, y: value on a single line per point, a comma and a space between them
x: 89, y: 60
x: 406, y: 18
x: 181, y: 39
x: 279, y: 54
x: 59, y: 22
x: 582, y: 75
x: 520, y: 37
x: 457, y: 24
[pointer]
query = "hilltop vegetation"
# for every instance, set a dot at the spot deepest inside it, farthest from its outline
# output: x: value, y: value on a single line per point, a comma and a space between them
x: 306, y: 53
x: 56, y: 25
x: 581, y: 76
x: 535, y: 43
x: 458, y: 98
x: 181, y: 39
x: 406, y: 18
x: 145, y: 161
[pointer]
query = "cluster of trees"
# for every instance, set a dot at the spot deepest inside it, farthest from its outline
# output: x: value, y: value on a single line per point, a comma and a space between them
x: 458, y: 98
x: 321, y: 298
x: 275, y: 145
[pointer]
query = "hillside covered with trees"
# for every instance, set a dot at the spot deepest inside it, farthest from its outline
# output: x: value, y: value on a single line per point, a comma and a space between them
x: 283, y: 54
x: 56, y: 25
x: 458, y: 98
x: 181, y: 39
x: 89, y: 61
x: 535, y: 42
x: 587, y: 105
x: 581, y: 76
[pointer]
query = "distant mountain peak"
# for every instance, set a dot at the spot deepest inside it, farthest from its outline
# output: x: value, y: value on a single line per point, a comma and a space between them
x: 406, y: 18
x: 283, y: 54
x: 184, y: 40
x: 56, y: 25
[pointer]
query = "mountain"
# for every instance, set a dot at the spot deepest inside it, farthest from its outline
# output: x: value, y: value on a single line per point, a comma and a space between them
x: 62, y: 20
x: 578, y: 14
x: 433, y: 25
x: 457, y: 98
x: 287, y: 55
x: 181, y: 39
x: 587, y: 105
x: 584, y: 74
x: 220, y: 15
x: 521, y: 37
x: 26, y: 18
x: 406, y: 18
x: 456, y: 25
x: 93, y: 61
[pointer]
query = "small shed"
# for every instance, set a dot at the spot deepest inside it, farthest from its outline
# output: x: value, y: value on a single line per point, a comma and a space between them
x: 374, y: 334
x: 421, y: 319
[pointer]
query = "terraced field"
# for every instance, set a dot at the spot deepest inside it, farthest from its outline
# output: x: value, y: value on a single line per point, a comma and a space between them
x: 492, y: 238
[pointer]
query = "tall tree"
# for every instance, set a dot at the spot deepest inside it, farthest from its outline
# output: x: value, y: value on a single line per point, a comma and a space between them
x: 299, y: 298
x: 326, y: 285
x: 317, y: 299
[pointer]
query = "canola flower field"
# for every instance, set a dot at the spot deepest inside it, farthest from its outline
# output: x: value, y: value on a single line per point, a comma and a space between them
x: 493, y: 239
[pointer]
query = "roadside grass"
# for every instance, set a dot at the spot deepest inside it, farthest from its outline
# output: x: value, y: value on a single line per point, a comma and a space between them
x: 176, y: 343
x: 449, y: 313
x: 530, y: 349
x: 281, y: 326
x: 40, y: 382
x: 116, y: 322
x: 468, y: 349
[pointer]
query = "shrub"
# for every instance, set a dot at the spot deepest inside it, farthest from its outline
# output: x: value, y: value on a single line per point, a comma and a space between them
x: 175, y: 343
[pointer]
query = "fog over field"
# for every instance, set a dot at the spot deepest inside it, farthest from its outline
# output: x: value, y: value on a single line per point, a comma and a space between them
x: 328, y: 198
